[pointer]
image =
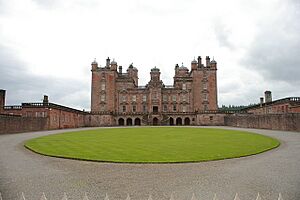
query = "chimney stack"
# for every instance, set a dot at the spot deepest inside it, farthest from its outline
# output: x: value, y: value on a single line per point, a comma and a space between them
x: 199, y: 62
x: 207, y: 61
x: 268, y: 96
x: 45, y: 100
x: 120, y: 69
x: 261, y: 101
x: 2, y: 100
x: 107, y: 62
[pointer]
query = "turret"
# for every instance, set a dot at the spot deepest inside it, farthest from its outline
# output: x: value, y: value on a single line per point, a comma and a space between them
x: 194, y: 65
x: 94, y: 65
x: 133, y: 73
x: 207, y: 61
x: 155, y: 74
x: 114, y: 65
x: 213, y: 64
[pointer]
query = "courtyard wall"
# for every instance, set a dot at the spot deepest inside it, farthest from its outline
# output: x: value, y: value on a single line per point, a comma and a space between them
x: 16, y: 124
x: 286, y: 122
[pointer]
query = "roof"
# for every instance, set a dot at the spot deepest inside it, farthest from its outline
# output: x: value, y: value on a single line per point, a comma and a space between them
x: 292, y: 100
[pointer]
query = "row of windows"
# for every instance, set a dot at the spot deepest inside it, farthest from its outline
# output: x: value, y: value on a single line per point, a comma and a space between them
x: 184, y: 108
x: 174, y: 98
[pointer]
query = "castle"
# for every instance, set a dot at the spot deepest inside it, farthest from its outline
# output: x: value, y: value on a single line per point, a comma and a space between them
x: 118, y: 96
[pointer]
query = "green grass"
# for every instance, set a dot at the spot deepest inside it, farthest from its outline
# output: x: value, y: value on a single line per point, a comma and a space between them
x: 154, y: 145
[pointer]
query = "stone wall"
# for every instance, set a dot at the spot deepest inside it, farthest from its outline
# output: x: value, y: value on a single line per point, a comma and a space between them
x: 287, y: 122
x: 15, y: 124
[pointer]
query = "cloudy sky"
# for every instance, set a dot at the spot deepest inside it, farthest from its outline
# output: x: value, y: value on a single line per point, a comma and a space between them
x: 47, y: 46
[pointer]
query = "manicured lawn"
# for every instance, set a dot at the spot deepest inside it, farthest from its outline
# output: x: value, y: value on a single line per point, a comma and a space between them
x: 152, y: 144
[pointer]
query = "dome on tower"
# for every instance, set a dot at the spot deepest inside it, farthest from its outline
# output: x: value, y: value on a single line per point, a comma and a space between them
x: 194, y: 61
x: 183, y: 67
x: 155, y: 69
x: 113, y: 62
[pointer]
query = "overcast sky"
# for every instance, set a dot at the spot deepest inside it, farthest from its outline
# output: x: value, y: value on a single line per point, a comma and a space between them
x: 47, y: 46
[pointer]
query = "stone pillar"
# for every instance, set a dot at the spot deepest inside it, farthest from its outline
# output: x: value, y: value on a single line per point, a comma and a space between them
x: 2, y: 100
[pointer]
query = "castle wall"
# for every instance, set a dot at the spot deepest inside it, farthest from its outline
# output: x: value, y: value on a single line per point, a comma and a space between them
x: 287, y: 121
x: 15, y: 124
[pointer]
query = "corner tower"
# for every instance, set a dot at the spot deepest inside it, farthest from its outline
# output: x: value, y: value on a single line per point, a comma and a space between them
x: 204, y: 85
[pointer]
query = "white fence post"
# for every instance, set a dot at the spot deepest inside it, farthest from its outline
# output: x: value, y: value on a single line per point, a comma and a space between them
x: 65, y: 197
x: 236, y: 197
x: 193, y: 197
x: 22, y: 196
x: 43, y: 196
x: 280, y: 197
x: 85, y: 197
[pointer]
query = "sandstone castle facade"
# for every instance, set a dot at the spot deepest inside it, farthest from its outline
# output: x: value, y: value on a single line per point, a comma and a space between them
x: 117, y: 99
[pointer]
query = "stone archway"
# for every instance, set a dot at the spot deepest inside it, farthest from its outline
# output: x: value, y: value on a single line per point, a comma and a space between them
x: 137, y: 122
x: 155, y: 121
x: 179, y: 121
x: 171, y: 121
x: 129, y: 122
x: 121, y: 122
x: 187, y: 121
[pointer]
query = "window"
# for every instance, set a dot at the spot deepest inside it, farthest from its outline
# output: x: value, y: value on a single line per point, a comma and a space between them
x: 123, y: 98
x: 134, y: 98
x: 124, y: 108
x: 155, y: 95
x: 174, y: 108
x: 165, y: 98
x: 184, y: 86
x: 133, y: 108
x: 155, y: 109
x: 183, y: 97
x: 103, y: 86
x: 205, y: 107
x: 165, y: 108
x: 102, y: 97
x: 211, y: 118
x: 144, y: 108
x: 183, y: 108
x: 205, y: 85
x: 205, y: 97
x: 144, y: 98
x: 174, y: 97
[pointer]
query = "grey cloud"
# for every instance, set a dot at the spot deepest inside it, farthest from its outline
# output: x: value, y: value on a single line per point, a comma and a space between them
x: 222, y: 34
x: 23, y: 86
x: 276, y: 49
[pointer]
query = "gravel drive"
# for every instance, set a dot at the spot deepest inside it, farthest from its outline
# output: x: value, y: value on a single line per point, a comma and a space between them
x: 269, y: 173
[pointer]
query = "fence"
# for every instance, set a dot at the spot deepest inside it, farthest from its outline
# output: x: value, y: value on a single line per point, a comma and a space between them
x: 150, y: 197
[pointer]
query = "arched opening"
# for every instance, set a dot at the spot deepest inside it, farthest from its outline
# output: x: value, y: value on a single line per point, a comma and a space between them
x: 121, y: 122
x: 171, y: 120
x: 187, y: 121
x: 179, y: 121
x: 129, y: 122
x: 137, y: 122
x: 155, y: 121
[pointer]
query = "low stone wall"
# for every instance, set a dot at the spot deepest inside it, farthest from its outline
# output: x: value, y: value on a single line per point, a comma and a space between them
x: 15, y: 124
x: 287, y: 122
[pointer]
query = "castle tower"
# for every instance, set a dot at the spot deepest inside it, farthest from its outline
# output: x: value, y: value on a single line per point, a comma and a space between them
x: 133, y: 73
x: 2, y: 100
x: 103, y: 87
x: 205, y: 86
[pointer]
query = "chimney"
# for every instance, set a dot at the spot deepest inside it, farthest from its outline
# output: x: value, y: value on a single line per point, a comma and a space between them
x: 199, y: 62
x: 261, y: 101
x: 2, y: 100
x: 268, y: 96
x: 107, y: 62
x: 45, y: 100
x: 207, y: 61
x: 120, y: 69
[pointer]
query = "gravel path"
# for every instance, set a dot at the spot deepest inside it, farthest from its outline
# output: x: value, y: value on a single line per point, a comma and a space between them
x: 268, y: 173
